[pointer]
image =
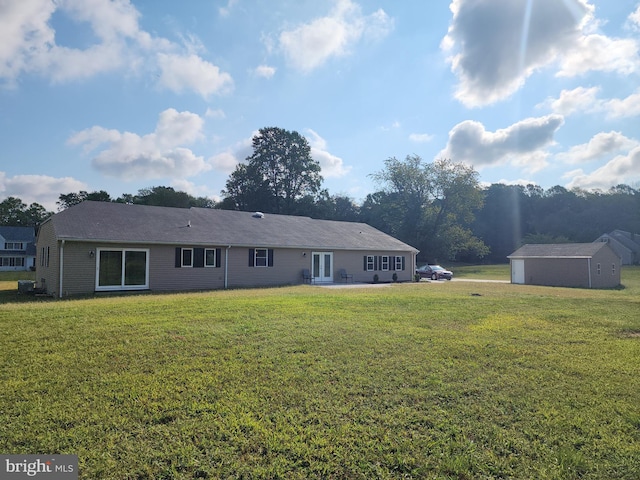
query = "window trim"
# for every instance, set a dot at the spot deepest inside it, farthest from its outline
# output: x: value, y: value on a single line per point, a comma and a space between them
x: 253, y: 256
x: 371, y: 263
x: 123, y: 285
x: 215, y: 259
x: 265, y: 258
x: 12, y: 262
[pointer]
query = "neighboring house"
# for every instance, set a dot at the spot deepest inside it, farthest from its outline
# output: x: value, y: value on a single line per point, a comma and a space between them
x: 585, y: 265
x: 625, y: 244
x: 102, y: 246
x: 17, y: 248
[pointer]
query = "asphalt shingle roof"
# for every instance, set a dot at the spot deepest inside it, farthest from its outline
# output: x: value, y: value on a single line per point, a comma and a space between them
x: 116, y: 222
x: 558, y: 250
x: 18, y: 234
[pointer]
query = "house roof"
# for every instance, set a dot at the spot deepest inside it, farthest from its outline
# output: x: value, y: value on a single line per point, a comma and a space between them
x: 18, y: 234
x: 559, y: 250
x: 141, y: 224
x: 626, y: 239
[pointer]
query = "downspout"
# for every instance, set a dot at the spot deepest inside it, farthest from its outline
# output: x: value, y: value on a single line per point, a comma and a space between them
x: 589, y: 265
x: 61, y: 268
x: 226, y: 267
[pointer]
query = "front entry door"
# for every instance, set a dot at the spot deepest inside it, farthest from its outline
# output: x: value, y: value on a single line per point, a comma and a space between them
x: 322, y: 268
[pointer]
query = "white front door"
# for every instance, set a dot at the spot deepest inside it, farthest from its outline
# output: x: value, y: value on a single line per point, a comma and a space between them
x: 517, y: 271
x: 322, y: 266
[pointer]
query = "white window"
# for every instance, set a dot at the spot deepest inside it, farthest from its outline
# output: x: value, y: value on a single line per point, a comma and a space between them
x: 370, y: 263
x: 613, y: 269
x: 261, y: 257
x: 398, y: 262
x: 13, y: 262
x: 385, y: 263
x: 13, y: 246
x: 599, y: 269
x: 209, y: 257
x: 122, y: 269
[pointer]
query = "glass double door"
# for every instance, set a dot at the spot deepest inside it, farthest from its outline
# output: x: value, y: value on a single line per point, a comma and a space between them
x: 322, y: 266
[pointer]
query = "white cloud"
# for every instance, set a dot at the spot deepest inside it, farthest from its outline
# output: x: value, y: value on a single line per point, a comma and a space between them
x: 634, y: 19
x: 494, y: 46
x: 601, y: 53
x: 420, y: 137
x: 620, y: 108
x: 622, y: 169
x: 129, y: 156
x: 179, y: 73
x: 226, y: 10
x: 601, y: 145
x: 585, y: 100
x: 522, y: 144
x: 218, y: 113
x: 227, y: 160
x: 41, y: 189
x: 191, y: 188
x: 310, y: 45
x: 570, y: 101
x: 265, y: 71
x: 28, y: 46
x: 332, y: 166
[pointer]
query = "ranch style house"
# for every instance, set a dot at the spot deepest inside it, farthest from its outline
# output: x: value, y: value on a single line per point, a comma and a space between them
x: 102, y: 246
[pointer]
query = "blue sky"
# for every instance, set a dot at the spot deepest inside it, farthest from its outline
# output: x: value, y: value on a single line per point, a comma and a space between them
x: 120, y: 95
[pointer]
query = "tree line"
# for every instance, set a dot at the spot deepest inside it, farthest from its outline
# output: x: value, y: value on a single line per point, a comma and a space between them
x: 438, y: 207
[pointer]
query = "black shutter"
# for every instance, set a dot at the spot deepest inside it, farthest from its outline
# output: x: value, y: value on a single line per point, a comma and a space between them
x: 218, y: 259
x: 252, y: 256
x: 365, y: 263
x: 270, y: 257
x: 375, y: 263
x: 403, y: 263
x: 198, y: 257
x: 178, y: 257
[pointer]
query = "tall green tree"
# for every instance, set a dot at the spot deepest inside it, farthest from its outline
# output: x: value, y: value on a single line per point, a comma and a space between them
x: 66, y: 200
x: 15, y: 213
x: 277, y: 176
x: 430, y: 206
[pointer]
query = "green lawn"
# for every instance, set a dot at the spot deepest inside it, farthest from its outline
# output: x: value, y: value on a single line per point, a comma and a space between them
x: 453, y: 380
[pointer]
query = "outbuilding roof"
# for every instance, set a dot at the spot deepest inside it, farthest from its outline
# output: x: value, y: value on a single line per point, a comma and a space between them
x: 559, y: 250
x: 142, y: 224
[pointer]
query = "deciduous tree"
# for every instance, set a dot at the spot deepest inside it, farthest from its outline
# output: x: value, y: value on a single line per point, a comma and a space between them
x: 279, y: 173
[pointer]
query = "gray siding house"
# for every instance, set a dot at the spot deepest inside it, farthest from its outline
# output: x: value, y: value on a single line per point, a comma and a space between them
x: 101, y: 246
x: 584, y: 265
x: 17, y: 248
x: 625, y: 244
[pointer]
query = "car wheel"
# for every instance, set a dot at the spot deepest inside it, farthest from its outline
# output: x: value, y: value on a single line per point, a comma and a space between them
x: 434, y: 277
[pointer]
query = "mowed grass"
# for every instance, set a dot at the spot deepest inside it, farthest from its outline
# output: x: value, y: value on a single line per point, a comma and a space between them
x: 454, y: 380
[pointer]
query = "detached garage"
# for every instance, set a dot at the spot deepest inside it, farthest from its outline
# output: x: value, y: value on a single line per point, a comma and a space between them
x: 584, y: 265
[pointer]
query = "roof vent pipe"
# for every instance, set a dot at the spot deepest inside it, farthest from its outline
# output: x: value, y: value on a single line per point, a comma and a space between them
x: 258, y: 215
